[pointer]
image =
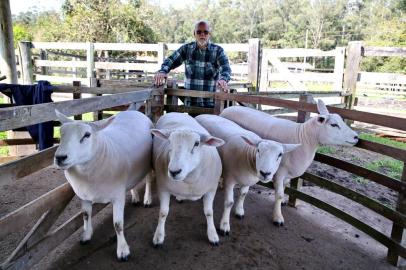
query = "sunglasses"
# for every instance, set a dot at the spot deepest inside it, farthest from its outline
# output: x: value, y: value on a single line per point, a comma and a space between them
x: 199, y: 32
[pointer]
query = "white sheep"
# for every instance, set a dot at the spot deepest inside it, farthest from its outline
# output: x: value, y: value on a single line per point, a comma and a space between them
x: 325, y: 128
x: 246, y: 159
x: 104, y: 159
x: 187, y: 165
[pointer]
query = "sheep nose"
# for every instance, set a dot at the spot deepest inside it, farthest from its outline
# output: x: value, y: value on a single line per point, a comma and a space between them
x: 264, y: 174
x: 356, y: 138
x: 61, y: 158
x: 175, y: 173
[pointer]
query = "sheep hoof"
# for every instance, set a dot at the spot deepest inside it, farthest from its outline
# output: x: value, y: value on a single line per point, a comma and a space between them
x: 214, y: 244
x: 284, y: 203
x: 124, y: 258
x: 240, y: 217
x: 135, y: 203
x: 224, y: 233
x: 278, y: 223
x: 147, y: 205
x: 179, y: 201
x: 84, y: 242
x: 157, y: 246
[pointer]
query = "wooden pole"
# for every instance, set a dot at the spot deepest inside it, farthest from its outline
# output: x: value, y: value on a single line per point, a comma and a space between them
x: 302, y: 117
x: 7, y: 54
x: 161, y: 53
x: 354, y: 54
x: 26, y: 62
x: 90, y: 62
x: 397, y: 233
x: 254, y: 60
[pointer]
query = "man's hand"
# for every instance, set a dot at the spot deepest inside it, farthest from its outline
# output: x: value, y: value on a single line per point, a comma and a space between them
x: 222, y: 84
x: 160, y: 78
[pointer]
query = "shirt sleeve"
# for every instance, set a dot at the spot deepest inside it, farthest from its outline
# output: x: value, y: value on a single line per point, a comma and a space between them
x: 225, y: 70
x: 174, y: 60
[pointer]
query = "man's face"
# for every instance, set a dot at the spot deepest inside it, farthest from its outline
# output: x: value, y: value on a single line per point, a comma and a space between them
x: 202, y: 35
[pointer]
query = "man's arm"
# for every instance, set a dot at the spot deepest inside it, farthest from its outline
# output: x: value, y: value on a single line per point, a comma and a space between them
x: 174, y: 60
x: 225, y: 70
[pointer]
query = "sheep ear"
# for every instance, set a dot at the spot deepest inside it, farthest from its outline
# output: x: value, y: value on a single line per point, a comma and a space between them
x: 62, y: 118
x: 99, y: 125
x: 322, y: 119
x: 161, y: 133
x: 287, y: 147
x: 321, y: 107
x: 250, y: 141
x: 211, y: 141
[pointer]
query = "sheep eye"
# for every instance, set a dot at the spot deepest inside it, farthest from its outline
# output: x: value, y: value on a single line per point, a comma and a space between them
x: 280, y: 154
x: 196, y: 144
x: 335, y: 125
x: 87, y: 135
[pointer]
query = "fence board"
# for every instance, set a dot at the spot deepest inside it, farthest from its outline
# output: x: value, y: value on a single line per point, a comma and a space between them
x: 142, y: 47
x: 390, y: 151
x: 35, y: 209
x: 128, y: 66
x: 21, y: 116
x: 66, y: 64
x: 59, y: 45
x: 372, y: 204
x: 375, y: 234
x: 361, y: 171
x: 57, y: 79
x: 384, y: 51
x: 299, y: 52
x: 26, y: 165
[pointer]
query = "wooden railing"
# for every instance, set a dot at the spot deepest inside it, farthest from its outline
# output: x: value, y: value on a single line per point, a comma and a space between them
x: 45, y: 210
x: 397, y: 216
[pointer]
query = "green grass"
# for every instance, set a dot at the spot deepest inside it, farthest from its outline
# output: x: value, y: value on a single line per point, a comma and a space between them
x: 326, y: 150
x: 4, y: 149
x: 385, y: 141
x: 388, y: 166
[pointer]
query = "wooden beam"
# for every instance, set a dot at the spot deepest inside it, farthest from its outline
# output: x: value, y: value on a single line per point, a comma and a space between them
x: 384, y: 51
x: 34, y: 209
x: 50, y: 242
x: 21, y: 116
x: 193, y: 110
x: 7, y: 54
x: 60, y: 45
x: 396, y: 153
x: 254, y: 60
x: 363, y: 172
x: 398, y: 230
x: 26, y: 62
x: 351, y: 69
x: 26, y: 165
x: 372, y: 204
x: 7, y: 142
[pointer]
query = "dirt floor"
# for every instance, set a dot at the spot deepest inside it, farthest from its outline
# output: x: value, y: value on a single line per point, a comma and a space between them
x: 310, y: 239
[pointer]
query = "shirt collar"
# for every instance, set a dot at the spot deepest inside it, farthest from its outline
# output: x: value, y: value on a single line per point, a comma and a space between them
x: 195, y: 47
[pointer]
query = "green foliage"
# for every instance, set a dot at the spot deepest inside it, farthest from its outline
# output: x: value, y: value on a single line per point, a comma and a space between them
x: 21, y: 33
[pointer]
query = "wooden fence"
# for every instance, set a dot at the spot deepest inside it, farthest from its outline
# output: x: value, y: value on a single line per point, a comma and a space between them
x: 44, y: 210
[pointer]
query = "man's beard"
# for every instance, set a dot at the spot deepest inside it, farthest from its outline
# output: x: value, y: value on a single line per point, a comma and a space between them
x: 202, y: 43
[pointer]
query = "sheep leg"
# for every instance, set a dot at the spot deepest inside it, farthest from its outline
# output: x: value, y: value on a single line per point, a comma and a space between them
x: 135, y: 198
x: 123, y: 251
x: 159, y: 236
x: 279, y: 194
x: 148, y: 192
x: 208, y: 212
x: 239, y: 209
x: 228, y: 204
x: 87, y: 222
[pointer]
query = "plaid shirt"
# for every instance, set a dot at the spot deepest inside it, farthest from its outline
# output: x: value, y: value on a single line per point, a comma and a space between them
x: 203, y: 68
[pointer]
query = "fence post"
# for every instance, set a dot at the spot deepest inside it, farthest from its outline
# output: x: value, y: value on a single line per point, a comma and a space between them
x: 26, y: 62
x: 43, y: 56
x: 161, y: 53
x: 172, y: 100
x: 90, y: 62
x: 254, y: 59
x: 339, y: 68
x: 354, y: 54
x: 302, y: 117
x: 7, y: 54
x: 263, y: 84
x: 397, y: 233
x: 154, y: 106
x: 77, y: 95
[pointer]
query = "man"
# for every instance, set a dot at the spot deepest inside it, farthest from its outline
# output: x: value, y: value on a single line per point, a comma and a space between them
x: 206, y: 66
